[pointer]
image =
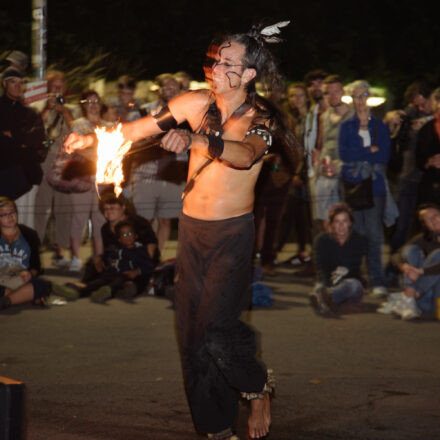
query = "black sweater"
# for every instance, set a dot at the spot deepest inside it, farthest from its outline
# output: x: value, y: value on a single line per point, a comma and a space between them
x: 329, y: 254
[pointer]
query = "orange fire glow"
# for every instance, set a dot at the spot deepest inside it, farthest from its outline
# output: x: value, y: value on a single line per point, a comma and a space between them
x: 111, y: 149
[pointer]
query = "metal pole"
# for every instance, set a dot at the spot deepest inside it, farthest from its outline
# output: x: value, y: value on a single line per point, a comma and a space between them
x: 39, y: 40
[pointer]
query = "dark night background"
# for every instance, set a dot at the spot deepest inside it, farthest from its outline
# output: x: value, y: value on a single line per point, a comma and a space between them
x: 389, y: 43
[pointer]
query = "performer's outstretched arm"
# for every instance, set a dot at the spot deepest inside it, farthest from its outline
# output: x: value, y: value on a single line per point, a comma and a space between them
x: 144, y: 127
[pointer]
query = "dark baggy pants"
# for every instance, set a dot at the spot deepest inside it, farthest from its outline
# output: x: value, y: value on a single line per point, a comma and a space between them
x: 213, y: 287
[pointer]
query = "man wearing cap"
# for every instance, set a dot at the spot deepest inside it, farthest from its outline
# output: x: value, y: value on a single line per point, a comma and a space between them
x: 18, y: 60
x: 21, y: 140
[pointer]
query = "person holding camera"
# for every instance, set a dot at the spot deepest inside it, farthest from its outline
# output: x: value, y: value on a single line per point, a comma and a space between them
x: 404, y: 126
x: 57, y: 117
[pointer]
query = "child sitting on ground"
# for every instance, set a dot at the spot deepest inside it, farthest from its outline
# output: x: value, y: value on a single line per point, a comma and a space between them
x: 127, y: 269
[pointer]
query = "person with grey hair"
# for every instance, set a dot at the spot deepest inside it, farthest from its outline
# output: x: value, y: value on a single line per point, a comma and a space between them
x: 364, y: 148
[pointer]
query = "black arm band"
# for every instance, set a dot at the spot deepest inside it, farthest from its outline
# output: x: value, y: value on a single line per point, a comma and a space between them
x: 165, y: 120
x: 216, y: 145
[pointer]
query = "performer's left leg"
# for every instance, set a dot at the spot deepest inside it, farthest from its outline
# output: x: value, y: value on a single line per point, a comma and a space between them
x: 218, y: 350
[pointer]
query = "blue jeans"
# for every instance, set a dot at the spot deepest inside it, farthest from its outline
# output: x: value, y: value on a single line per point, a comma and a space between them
x: 427, y: 286
x: 369, y: 222
x: 348, y: 290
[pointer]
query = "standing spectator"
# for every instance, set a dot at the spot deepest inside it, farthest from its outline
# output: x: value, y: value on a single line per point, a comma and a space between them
x: 328, y: 167
x: 18, y: 60
x: 128, y: 107
x: 21, y: 146
x: 314, y: 81
x: 364, y: 147
x: 184, y: 80
x: 297, y: 207
x: 158, y: 177
x: 85, y: 205
x: 274, y: 181
x: 19, y: 251
x: 338, y: 254
x: 296, y: 108
x: 428, y: 154
x: 57, y: 118
x: 404, y: 127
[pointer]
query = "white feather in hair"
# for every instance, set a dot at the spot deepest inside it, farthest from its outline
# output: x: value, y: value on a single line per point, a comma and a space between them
x: 274, y: 29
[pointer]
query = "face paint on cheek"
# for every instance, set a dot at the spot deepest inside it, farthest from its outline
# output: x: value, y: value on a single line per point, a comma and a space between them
x: 233, y: 77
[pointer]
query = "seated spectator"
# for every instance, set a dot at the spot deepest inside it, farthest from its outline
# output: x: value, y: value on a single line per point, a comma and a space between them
x: 20, y: 264
x: 126, y: 269
x: 338, y: 256
x: 116, y: 210
x: 419, y: 262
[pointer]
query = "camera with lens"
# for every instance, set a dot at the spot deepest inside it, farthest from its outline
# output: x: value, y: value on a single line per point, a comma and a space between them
x: 60, y: 99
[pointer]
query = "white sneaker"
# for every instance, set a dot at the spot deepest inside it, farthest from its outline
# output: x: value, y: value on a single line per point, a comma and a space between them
x: 395, y: 296
x: 411, y: 311
x: 75, y: 264
x: 386, y: 308
x: 389, y: 306
x: 61, y: 262
x: 379, y: 291
x: 407, y: 308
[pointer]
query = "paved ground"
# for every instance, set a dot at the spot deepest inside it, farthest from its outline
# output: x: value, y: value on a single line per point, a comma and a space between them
x: 95, y: 372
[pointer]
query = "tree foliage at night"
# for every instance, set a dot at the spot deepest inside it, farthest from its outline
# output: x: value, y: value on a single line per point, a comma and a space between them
x: 390, y: 43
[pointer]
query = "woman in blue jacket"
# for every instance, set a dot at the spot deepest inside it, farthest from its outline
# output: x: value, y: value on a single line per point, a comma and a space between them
x: 364, y: 147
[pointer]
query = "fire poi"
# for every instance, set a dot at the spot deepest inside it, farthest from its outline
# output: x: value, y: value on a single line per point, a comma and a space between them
x: 111, y: 149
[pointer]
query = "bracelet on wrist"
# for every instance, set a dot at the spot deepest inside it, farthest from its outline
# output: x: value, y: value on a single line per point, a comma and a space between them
x: 216, y: 146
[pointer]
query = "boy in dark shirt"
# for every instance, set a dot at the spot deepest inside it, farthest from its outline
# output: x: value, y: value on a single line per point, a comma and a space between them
x: 338, y: 256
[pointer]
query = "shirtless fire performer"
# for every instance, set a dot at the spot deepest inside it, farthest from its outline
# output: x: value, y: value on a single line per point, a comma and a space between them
x: 232, y: 129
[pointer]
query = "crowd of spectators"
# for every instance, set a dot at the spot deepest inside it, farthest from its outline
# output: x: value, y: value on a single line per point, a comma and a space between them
x: 359, y: 179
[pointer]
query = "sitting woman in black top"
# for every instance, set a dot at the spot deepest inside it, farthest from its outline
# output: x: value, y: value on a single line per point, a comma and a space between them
x: 19, y: 260
x: 338, y: 257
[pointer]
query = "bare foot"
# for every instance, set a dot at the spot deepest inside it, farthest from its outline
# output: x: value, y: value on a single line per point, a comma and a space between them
x: 259, y: 418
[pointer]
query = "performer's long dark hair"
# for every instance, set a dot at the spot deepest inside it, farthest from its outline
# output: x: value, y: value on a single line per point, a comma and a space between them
x: 258, y: 57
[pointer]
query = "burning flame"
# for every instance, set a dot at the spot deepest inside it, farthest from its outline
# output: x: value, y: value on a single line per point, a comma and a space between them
x: 111, y: 149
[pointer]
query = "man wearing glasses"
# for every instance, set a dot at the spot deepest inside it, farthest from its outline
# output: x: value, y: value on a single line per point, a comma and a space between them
x: 231, y: 130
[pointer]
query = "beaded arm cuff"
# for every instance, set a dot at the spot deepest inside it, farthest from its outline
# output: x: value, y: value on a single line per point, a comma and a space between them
x: 264, y: 133
x: 269, y: 387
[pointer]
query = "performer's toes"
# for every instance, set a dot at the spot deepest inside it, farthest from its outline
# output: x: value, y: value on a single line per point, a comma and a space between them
x: 259, y: 418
